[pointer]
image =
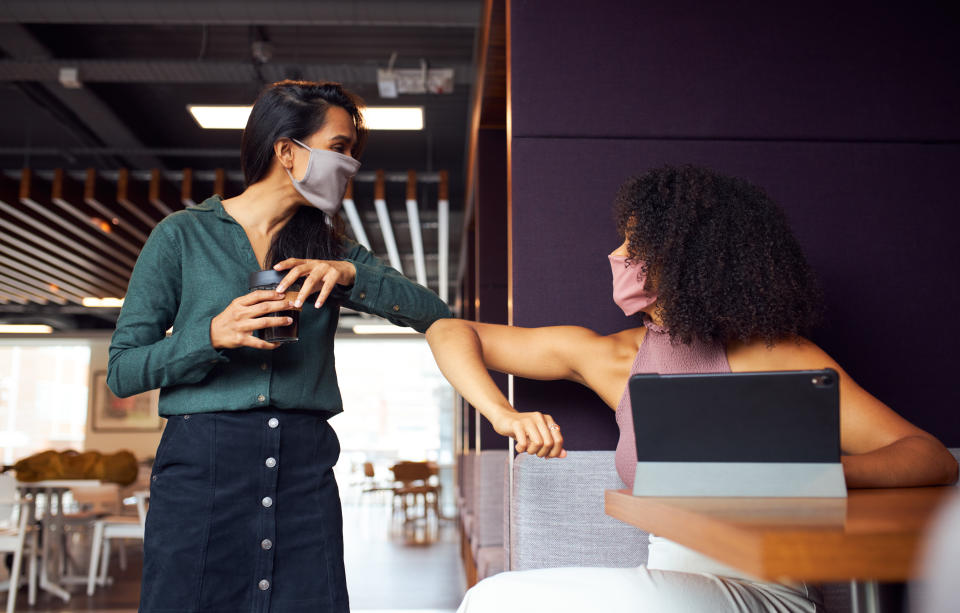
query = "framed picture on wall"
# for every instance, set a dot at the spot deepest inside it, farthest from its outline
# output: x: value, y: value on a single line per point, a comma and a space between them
x: 108, y: 413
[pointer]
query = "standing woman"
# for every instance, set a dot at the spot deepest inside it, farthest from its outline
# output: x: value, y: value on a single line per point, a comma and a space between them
x: 245, y: 514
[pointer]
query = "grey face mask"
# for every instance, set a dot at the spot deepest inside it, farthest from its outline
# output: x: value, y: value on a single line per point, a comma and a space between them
x: 325, y: 181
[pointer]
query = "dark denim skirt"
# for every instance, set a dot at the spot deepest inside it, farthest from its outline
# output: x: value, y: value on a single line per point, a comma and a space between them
x: 245, y: 516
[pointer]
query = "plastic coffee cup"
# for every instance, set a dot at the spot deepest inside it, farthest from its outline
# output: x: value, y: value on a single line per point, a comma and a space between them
x: 269, y: 279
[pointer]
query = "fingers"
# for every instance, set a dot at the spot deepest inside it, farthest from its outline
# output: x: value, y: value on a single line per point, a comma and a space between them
x: 329, y: 282
x: 265, y: 308
x: 557, y: 451
x: 287, y: 263
x: 258, y: 343
x: 257, y: 296
x: 309, y: 284
x: 521, y: 437
x: 539, y: 435
x: 268, y: 322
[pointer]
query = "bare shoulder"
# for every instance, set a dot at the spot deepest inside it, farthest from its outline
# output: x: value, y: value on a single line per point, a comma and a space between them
x: 795, y: 353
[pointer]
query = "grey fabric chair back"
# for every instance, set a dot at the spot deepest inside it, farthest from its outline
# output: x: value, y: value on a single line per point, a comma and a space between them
x: 557, y: 514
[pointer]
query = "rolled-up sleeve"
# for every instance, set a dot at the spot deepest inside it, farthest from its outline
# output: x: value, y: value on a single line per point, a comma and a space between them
x: 381, y: 290
x: 142, y: 356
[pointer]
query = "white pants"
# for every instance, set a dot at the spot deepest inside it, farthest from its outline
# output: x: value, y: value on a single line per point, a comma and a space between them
x: 631, y: 590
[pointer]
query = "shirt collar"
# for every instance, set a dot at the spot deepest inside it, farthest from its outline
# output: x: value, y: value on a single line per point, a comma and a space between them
x: 214, y: 204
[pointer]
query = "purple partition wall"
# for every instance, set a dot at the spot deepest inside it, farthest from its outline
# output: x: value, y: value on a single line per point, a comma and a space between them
x: 847, y: 119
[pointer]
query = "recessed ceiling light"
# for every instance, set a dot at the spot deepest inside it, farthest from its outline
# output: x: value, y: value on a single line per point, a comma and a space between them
x: 113, y: 303
x: 375, y: 117
x: 220, y: 117
x: 384, y: 329
x: 393, y: 117
x: 25, y: 329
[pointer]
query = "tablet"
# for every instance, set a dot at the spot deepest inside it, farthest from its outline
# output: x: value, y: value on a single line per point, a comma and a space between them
x: 738, y: 434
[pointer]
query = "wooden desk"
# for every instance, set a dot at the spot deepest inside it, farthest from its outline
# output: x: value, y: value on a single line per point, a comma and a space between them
x: 872, y: 535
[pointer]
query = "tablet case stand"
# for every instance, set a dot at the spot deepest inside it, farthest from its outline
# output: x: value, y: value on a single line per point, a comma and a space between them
x: 771, y: 434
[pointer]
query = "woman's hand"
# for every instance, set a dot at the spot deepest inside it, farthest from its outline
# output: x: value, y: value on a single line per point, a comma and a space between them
x: 320, y: 274
x: 536, y: 433
x: 234, y: 327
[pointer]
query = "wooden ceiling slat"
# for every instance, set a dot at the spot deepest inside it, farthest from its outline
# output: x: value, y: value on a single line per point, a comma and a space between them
x: 43, y: 287
x: 54, y: 248
x: 16, y: 259
x: 130, y: 198
x: 68, y: 195
x: 13, y: 295
x: 30, y: 193
x: 59, y: 268
x: 220, y: 182
x: 161, y: 195
x: 186, y: 188
x: 25, y: 290
x: 95, y: 197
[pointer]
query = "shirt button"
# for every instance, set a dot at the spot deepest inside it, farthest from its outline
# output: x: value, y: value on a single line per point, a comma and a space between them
x: 261, y: 398
x: 396, y: 307
x: 266, y: 544
x: 263, y: 585
x: 267, y: 502
x: 273, y: 422
x: 363, y: 295
x: 263, y: 366
x: 271, y: 462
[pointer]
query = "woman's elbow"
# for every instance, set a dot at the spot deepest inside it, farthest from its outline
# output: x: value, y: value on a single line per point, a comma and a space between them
x: 952, y: 471
x: 115, y: 381
x: 442, y: 328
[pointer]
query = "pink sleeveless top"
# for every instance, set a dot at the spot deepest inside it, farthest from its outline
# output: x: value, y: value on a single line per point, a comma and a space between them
x: 657, y: 355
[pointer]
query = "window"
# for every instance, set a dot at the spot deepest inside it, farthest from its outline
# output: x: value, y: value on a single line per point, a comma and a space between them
x: 43, y: 396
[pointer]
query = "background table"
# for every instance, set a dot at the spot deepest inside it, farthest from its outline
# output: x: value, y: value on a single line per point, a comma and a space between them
x: 873, y: 535
x: 52, y: 523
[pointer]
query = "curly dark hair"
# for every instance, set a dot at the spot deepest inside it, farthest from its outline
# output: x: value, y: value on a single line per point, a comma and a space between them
x: 720, y: 254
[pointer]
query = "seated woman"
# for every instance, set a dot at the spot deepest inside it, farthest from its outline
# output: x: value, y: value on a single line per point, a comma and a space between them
x: 722, y: 286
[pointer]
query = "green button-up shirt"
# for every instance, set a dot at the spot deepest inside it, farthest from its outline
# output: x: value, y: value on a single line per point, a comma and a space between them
x: 197, y: 261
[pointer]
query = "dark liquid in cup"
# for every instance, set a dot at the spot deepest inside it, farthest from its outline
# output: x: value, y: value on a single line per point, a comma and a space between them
x: 268, y: 279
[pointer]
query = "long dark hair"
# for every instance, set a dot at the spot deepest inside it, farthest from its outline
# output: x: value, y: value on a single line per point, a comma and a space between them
x: 723, y: 259
x: 297, y: 109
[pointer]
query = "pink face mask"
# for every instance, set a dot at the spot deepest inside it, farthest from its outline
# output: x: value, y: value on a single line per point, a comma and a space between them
x: 628, y: 285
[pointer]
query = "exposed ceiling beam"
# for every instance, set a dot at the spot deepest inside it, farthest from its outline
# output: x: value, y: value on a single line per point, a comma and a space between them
x: 47, y: 70
x: 446, y: 14
x: 19, y: 44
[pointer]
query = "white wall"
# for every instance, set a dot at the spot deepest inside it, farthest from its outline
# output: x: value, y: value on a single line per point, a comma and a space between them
x: 142, y: 444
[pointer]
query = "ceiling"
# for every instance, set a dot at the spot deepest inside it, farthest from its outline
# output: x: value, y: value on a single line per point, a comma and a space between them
x: 140, y: 62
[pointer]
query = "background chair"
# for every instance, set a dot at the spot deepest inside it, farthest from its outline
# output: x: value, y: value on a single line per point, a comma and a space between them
x: 17, y: 536
x: 414, y: 479
x: 113, y: 527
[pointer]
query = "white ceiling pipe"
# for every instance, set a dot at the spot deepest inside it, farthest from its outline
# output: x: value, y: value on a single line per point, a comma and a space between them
x: 99, y: 279
x: 443, y: 236
x: 416, y: 238
x: 383, y: 215
x: 350, y: 208
x: 98, y: 258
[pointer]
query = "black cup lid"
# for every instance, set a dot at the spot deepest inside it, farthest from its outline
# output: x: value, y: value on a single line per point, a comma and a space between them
x: 270, y: 278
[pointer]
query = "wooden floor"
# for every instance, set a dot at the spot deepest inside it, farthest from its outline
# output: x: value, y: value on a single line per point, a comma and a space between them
x: 390, y: 568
